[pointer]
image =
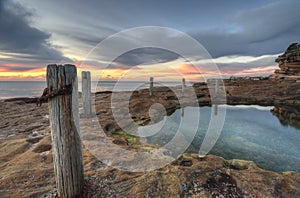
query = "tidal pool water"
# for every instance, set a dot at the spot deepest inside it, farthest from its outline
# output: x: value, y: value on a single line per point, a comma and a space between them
x: 249, y: 133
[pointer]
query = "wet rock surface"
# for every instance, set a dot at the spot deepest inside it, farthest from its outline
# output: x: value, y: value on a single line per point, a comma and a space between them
x: 287, y: 115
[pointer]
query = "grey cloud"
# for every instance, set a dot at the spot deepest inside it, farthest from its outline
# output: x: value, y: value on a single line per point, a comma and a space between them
x: 236, y: 67
x: 145, y: 56
x: 265, y: 30
x: 128, y: 60
x: 17, y: 68
x: 261, y: 62
x: 87, y: 34
x: 271, y: 21
x: 18, y: 36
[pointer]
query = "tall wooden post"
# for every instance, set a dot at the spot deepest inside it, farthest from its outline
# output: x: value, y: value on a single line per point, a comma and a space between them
x: 64, y: 122
x: 86, y: 93
x: 151, y: 86
x: 217, y: 87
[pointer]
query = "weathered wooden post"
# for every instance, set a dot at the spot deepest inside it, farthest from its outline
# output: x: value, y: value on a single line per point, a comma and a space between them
x: 151, y: 86
x: 183, y: 86
x: 64, y: 121
x: 183, y: 83
x: 215, y: 109
x: 216, y: 96
x: 217, y: 87
x: 86, y: 93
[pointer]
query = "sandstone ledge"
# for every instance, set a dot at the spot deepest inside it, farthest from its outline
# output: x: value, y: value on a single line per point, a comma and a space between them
x: 26, y: 160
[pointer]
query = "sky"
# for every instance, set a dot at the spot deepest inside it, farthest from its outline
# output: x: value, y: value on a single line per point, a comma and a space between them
x: 241, y: 38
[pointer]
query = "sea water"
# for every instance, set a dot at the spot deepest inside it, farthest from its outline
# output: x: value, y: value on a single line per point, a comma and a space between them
x: 13, y: 89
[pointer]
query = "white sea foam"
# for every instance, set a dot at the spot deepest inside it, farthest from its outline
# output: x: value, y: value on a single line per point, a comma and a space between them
x: 262, y: 108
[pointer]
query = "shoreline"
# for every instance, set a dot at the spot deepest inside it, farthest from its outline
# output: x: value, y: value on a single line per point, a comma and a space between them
x: 238, y: 91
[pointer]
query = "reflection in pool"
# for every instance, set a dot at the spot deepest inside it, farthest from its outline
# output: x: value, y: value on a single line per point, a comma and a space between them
x: 249, y: 133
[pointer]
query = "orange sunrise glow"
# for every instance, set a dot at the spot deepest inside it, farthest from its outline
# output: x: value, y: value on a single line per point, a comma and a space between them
x: 174, y: 72
x: 28, y: 75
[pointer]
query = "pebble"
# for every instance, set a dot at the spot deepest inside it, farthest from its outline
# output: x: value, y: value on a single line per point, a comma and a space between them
x: 45, y: 153
x: 183, y: 186
x: 34, y: 133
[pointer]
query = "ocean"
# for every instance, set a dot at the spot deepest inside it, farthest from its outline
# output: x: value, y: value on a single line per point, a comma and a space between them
x: 14, y: 89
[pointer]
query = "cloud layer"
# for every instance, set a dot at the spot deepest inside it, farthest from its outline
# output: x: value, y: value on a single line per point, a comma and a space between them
x: 265, y: 30
x: 240, y: 36
x: 20, y: 40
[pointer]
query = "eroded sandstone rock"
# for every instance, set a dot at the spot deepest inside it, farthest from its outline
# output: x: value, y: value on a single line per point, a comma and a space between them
x: 289, y: 63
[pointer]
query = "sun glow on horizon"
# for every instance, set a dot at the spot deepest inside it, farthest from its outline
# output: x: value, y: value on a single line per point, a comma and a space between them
x: 168, y: 71
x: 38, y: 74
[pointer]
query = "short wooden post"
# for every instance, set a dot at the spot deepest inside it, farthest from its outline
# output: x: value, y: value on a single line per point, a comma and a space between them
x: 151, y: 86
x: 215, y: 109
x: 86, y: 93
x: 64, y: 122
x: 183, y: 86
x: 216, y: 96
x: 183, y: 82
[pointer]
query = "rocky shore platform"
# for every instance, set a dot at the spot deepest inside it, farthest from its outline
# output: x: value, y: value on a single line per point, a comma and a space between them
x: 26, y: 161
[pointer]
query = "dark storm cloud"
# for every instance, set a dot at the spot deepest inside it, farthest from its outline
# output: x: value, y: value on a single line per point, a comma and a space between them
x: 265, y: 30
x: 145, y: 56
x: 18, y: 36
x: 136, y: 57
